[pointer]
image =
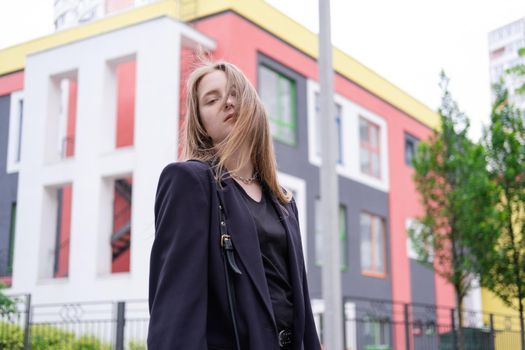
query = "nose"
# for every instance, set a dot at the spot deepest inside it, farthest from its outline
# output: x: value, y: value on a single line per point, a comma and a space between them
x: 230, y: 102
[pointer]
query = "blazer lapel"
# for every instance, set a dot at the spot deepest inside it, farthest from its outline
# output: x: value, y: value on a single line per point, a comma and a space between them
x: 295, y: 270
x: 243, y: 231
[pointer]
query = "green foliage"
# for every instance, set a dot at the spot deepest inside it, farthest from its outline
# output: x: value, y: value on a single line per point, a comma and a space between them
x: 90, y: 342
x: 7, y: 304
x: 136, y: 345
x: 458, y: 199
x: 505, y: 142
x: 518, y: 70
x: 47, y: 337
x: 11, y: 336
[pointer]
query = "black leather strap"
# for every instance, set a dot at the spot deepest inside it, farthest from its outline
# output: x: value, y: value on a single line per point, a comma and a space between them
x: 228, y: 259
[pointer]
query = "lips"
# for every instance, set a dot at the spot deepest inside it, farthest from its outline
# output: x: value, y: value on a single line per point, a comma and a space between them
x: 228, y: 117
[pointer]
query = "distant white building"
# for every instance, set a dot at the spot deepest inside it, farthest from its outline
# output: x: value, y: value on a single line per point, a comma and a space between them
x: 70, y: 13
x: 504, y: 43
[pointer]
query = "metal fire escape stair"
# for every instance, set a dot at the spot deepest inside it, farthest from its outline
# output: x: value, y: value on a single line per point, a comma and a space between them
x: 120, y: 239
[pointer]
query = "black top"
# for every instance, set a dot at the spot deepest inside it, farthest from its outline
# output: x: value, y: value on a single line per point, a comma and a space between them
x: 274, y: 251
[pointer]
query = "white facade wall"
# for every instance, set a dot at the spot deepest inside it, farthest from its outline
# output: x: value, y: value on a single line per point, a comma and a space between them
x: 71, y: 13
x: 350, y: 114
x: 156, y: 46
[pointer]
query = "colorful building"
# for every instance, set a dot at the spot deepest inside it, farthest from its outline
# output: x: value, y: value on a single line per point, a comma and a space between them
x: 91, y: 114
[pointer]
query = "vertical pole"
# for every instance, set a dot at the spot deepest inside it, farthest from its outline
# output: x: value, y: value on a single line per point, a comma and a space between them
x: 119, y: 334
x: 331, y: 273
x: 492, y: 334
x: 407, y: 328
x: 27, y: 325
x: 453, y: 330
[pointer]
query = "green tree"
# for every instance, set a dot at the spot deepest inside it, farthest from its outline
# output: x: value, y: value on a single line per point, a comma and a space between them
x: 452, y: 179
x: 7, y: 305
x: 505, y: 144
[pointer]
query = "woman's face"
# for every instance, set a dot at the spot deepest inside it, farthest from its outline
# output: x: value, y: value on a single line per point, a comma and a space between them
x: 218, y: 118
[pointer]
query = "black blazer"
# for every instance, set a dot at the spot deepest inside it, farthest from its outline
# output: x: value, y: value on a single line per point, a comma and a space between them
x: 188, y: 302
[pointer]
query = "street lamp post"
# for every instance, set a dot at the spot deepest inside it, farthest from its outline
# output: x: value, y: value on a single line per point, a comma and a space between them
x: 331, y: 273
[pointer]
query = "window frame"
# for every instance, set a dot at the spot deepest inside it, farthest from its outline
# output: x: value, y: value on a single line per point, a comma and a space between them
x: 339, y: 128
x: 342, y: 235
x: 374, y: 273
x: 410, y: 138
x: 292, y: 125
x: 367, y: 146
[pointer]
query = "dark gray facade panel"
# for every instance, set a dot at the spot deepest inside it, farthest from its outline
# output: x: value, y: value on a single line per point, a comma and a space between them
x: 356, y: 197
x: 422, y: 283
x: 423, y: 292
x: 8, y: 185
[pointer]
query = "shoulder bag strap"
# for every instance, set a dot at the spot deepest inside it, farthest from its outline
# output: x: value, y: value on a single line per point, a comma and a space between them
x: 228, y: 259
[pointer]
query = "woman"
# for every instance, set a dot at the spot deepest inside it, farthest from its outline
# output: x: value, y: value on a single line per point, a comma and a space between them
x: 232, y: 164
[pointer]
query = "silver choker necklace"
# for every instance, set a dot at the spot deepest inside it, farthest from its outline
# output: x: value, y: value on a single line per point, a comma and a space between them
x: 245, y: 180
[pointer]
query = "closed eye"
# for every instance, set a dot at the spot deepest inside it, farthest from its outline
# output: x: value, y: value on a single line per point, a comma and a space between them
x: 212, y: 101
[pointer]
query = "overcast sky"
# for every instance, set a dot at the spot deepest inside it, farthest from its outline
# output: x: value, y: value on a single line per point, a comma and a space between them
x: 406, y: 41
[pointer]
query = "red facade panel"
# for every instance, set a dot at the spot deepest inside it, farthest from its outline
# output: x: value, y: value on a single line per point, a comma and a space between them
x: 71, y: 118
x: 126, y: 74
x: 11, y: 82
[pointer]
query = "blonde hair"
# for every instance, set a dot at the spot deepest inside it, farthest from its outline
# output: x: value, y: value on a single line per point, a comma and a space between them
x: 251, y: 131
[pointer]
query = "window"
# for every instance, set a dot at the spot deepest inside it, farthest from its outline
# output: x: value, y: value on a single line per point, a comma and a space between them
x: 14, y: 141
x: 372, y: 245
x: 376, y: 332
x: 410, y: 148
x: 278, y: 94
x: 318, y: 119
x: 61, y: 119
x: 350, y: 323
x: 118, y: 131
x: 121, y: 230
x: 423, y: 237
x: 69, y: 110
x: 319, y: 242
x: 369, y: 148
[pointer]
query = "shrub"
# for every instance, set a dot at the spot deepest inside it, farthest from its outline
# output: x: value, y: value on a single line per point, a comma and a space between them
x: 90, y: 342
x: 11, y: 336
x: 7, y: 304
x: 44, y: 337
x: 136, y: 345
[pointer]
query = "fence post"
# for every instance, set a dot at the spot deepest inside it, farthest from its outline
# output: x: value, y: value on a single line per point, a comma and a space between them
x: 27, y: 325
x: 453, y: 332
x: 407, y: 327
x: 492, y: 333
x: 121, y: 320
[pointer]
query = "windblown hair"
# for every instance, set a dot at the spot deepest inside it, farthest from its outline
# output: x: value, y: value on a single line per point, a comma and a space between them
x: 251, y: 131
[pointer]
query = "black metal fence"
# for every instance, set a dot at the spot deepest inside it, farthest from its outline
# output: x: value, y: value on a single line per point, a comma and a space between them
x: 386, y: 325
x: 75, y: 326
x: 369, y: 325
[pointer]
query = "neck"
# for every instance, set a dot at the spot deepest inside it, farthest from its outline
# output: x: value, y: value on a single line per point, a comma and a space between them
x: 245, y: 171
